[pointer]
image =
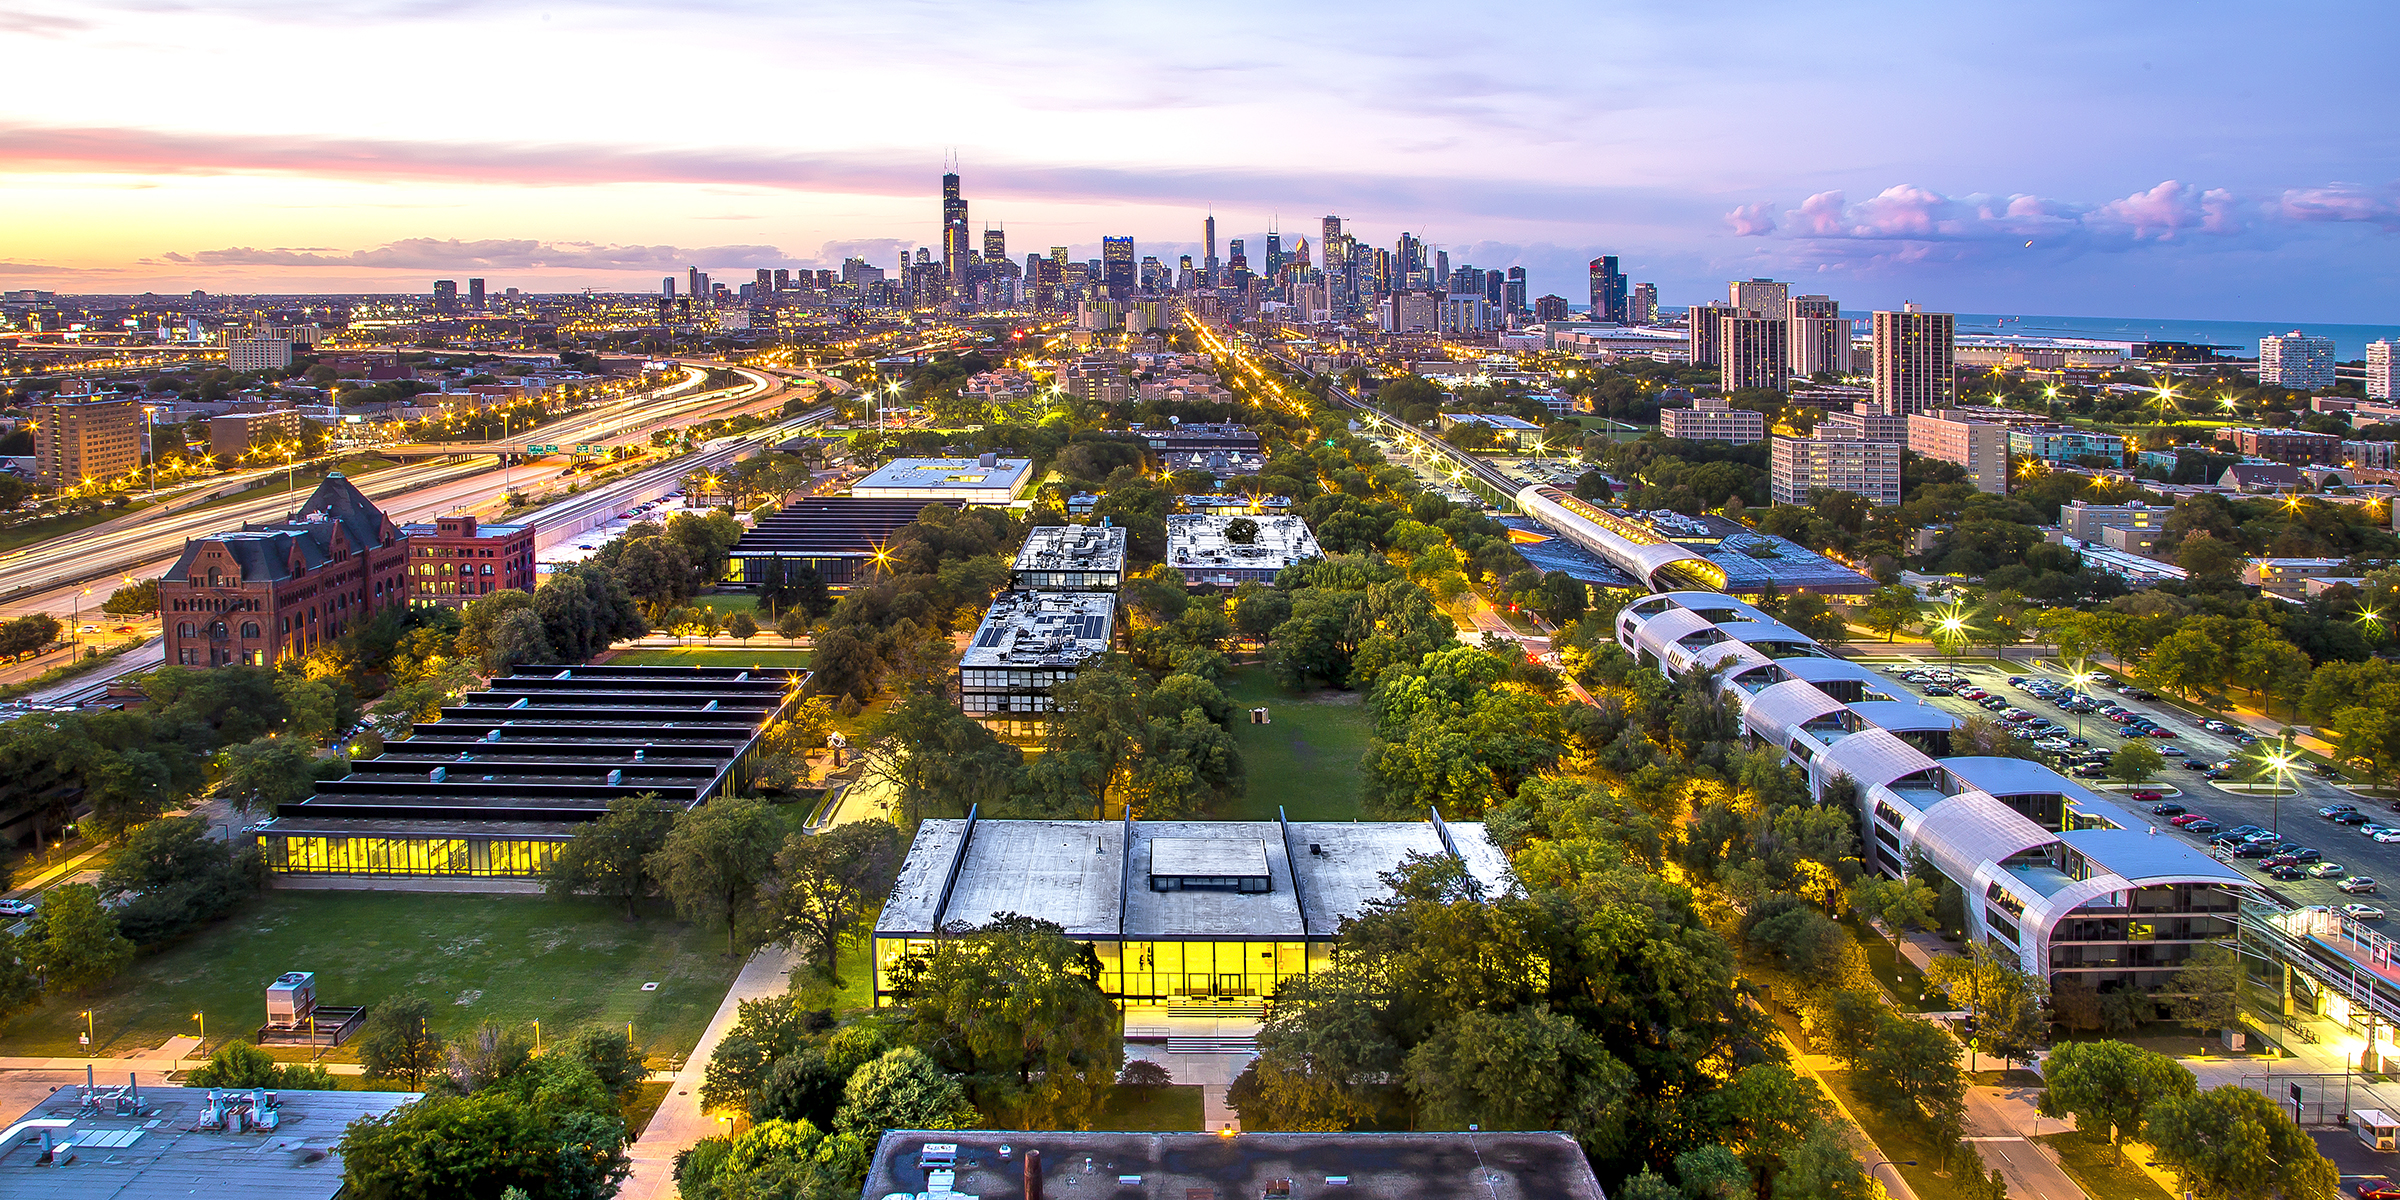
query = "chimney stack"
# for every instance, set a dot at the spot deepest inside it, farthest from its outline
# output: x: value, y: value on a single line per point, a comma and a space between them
x: 1033, y: 1175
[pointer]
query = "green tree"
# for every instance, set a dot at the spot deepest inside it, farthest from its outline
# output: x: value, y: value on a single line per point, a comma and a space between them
x: 2205, y: 992
x: 1562, y: 598
x: 265, y: 774
x: 1891, y: 609
x: 2135, y: 762
x: 1911, y: 1074
x: 1846, y: 1022
x: 478, y: 636
x: 1809, y: 613
x: 714, y: 859
x: 742, y: 626
x: 2110, y: 1086
x: 903, y: 1090
x: 2210, y: 560
x: 1015, y: 1009
x: 611, y: 856
x: 479, y: 1145
x: 2233, y: 1142
x: 132, y: 599
x: 72, y: 942
x: 2004, y: 999
x: 1524, y: 1069
x: 397, y: 1041
x: 20, y: 988
x: 242, y: 1065
x: 2275, y: 669
x: 823, y: 888
x: 178, y: 877
x: 2187, y: 662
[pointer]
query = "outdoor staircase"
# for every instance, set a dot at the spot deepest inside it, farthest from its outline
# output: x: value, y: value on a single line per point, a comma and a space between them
x: 1212, y: 1045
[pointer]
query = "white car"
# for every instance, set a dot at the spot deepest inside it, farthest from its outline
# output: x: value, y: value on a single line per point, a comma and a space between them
x: 2054, y: 744
x: 2362, y: 912
x: 2370, y: 829
x: 2326, y: 870
x: 2388, y: 836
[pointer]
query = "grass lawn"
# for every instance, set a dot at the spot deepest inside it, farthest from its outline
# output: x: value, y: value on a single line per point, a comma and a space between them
x: 856, y: 963
x: 1900, y: 1144
x: 1307, y: 760
x: 1898, y: 976
x: 770, y: 653
x: 2095, y: 1168
x: 643, y: 1105
x: 511, y: 959
x: 1171, y: 1109
x: 727, y: 603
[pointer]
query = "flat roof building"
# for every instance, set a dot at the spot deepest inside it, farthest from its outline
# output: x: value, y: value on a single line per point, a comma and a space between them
x: 1490, y: 1165
x: 235, y: 434
x: 2084, y: 520
x: 1833, y: 461
x: 989, y: 479
x: 1200, y: 546
x: 1713, y: 419
x: 129, y: 1143
x: 506, y: 775
x: 80, y: 439
x: 838, y: 537
x: 1028, y: 644
x: 1954, y: 436
x: 1179, y: 912
x: 1663, y: 550
x: 456, y: 560
x: 1070, y: 558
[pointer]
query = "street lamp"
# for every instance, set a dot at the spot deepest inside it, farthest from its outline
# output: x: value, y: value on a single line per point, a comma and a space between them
x: 2279, y: 766
x: 203, y: 1019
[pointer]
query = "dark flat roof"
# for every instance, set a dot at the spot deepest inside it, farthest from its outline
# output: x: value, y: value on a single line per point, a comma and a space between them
x: 1187, y: 1166
x: 160, y: 1152
x: 831, y: 526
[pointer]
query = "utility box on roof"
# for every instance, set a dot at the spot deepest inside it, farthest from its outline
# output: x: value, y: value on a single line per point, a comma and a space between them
x: 291, y: 998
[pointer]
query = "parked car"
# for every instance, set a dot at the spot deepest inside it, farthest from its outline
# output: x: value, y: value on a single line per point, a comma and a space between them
x: 2287, y: 873
x: 2351, y: 818
x: 2194, y: 765
x: 2377, y: 1187
x: 2362, y: 912
x: 16, y: 908
x: 2171, y: 751
x: 2088, y: 770
x: 2168, y: 809
x: 2201, y: 827
x: 2251, y: 850
x: 2325, y: 870
x: 2054, y: 745
x: 2188, y: 818
x: 2388, y: 836
x: 2357, y: 885
x: 2146, y: 796
x: 2333, y: 810
x: 1935, y: 689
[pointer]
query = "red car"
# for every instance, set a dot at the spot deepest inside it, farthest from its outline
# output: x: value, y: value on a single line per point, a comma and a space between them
x: 2162, y: 733
x: 2377, y: 1187
x: 2187, y: 819
x: 2146, y: 795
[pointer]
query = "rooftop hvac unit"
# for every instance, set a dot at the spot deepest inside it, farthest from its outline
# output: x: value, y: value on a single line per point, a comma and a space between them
x: 291, y: 998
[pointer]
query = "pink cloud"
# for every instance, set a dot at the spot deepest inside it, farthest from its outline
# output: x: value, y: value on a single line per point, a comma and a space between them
x: 2342, y: 203
x: 1752, y: 220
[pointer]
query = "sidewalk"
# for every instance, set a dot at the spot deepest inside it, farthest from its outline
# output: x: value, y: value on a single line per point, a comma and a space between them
x: 680, y: 1121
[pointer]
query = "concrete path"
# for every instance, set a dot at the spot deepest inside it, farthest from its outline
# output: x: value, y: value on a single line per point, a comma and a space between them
x: 1213, y: 1073
x: 1999, y: 1119
x: 680, y: 1122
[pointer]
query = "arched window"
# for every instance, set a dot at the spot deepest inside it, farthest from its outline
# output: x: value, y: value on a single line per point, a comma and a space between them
x: 249, y: 629
x: 215, y: 578
x: 184, y: 630
x: 216, y: 630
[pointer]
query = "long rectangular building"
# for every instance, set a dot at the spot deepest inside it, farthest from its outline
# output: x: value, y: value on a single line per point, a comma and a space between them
x: 506, y: 775
x: 1179, y: 912
x: 838, y: 537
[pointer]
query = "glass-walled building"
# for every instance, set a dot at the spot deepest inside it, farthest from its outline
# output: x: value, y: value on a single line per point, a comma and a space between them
x: 1181, y: 914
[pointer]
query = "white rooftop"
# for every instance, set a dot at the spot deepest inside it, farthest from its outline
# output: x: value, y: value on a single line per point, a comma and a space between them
x: 1198, y: 542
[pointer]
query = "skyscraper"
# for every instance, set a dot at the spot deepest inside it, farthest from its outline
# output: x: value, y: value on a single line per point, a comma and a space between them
x: 445, y: 295
x: 1707, y: 333
x: 765, y: 283
x: 666, y: 286
x: 1300, y: 257
x: 2383, y: 370
x: 475, y: 294
x: 1765, y: 297
x: 1515, y: 298
x: 957, y: 249
x: 1274, y: 253
x: 1117, y: 266
x: 692, y: 284
x: 1495, y: 288
x: 995, y: 245
x: 1408, y: 258
x: 1913, y: 351
x: 1756, y: 351
x: 783, y: 278
x: 1208, y: 251
x: 1608, y: 290
x: 1820, y: 336
x: 1642, y: 307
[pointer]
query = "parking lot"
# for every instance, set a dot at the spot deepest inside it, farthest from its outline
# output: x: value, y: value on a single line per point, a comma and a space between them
x: 2293, y: 816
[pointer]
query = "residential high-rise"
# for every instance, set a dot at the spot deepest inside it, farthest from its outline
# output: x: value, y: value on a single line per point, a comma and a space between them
x: 1495, y: 290
x: 783, y: 278
x: 1641, y: 308
x: 1408, y: 258
x: 81, y: 438
x: 1713, y: 419
x: 699, y: 290
x: 475, y: 294
x: 1550, y: 308
x: 1836, y: 461
x: 1765, y: 297
x: 1300, y: 257
x: 2383, y: 370
x: 445, y: 295
x: 1117, y: 266
x: 764, y: 283
x: 1608, y: 290
x: 666, y: 286
x: 1913, y: 361
x: 2296, y: 360
x: 1208, y: 251
x: 1756, y: 351
x: 1820, y: 336
x: 1705, y: 333
x: 1515, y: 297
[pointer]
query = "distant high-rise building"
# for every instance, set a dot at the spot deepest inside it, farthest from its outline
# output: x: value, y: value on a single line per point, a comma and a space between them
x: 859, y: 273
x: 1913, y: 361
x: 783, y: 278
x: 80, y: 438
x: 1117, y: 266
x: 1820, y: 336
x: 1705, y: 330
x: 1834, y: 462
x: 1608, y: 290
x: 703, y: 290
x: 1274, y: 253
x: 1208, y: 249
x: 1495, y: 290
x: 1152, y: 272
x: 1756, y: 351
x: 957, y: 250
x: 1408, y: 258
x: 475, y: 294
x: 1641, y: 308
x: 1439, y: 269
x: 995, y: 245
x: 445, y: 295
x: 2383, y: 370
x: 2296, y: 360
x: 765, y: 283
x: 692, y: 283
x: 1765, y: 297
x: 666, y: 286
x: 1550, y: 308
x: 1515, y: 299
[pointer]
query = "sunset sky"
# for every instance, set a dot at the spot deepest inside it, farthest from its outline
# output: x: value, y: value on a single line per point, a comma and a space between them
x: 2196, y: 160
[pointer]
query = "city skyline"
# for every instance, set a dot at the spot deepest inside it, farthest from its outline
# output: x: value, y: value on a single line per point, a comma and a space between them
x: 2106, y: 175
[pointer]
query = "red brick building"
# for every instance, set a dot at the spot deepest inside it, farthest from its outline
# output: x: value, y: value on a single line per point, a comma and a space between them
x: 455, y: 560
x: 261, y: 592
